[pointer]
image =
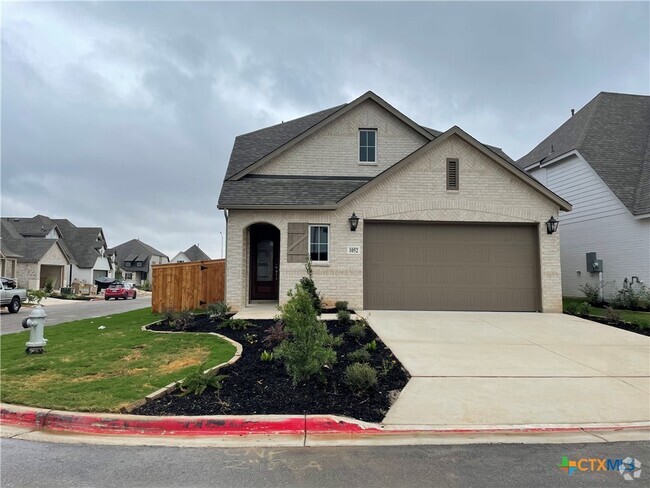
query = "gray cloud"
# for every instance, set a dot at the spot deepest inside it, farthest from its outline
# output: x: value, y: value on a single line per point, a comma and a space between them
x: 123, y: 115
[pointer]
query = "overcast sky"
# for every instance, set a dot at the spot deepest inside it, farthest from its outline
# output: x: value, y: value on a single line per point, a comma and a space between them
x: 123, y: 115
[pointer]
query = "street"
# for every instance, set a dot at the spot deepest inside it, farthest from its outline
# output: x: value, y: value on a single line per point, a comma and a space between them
x: 35, y: 464
x: 60, y: 311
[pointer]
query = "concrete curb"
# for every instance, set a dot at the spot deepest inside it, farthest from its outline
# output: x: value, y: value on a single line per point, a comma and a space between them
x: 306, y: 429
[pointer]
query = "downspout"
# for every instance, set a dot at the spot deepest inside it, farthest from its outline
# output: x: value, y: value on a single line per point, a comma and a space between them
x: 225, y: 261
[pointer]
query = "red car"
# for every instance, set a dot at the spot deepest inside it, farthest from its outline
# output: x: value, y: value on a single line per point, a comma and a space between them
x: 120, y: 290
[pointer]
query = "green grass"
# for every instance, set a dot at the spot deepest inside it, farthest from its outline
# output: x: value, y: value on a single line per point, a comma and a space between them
x: 642, y: 319
x: 87, y: 369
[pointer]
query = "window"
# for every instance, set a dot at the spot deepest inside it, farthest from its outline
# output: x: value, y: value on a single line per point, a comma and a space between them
x: 319, y: 243
x: 128, y: 264
x: 128, y: 276
x: 452, y: 174
x: 138, y: 264
x: 367, y: 145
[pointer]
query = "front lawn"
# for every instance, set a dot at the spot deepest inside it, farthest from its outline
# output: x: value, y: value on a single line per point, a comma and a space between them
x: 90, y: 369
x: 642, y: 319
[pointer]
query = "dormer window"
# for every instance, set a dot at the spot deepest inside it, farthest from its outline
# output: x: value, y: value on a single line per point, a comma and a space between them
x: 367, y: 145
x: 138, y: 264
x: 127, y: 263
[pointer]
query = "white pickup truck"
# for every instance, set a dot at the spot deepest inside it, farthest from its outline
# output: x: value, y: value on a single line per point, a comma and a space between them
x: 10, y: 296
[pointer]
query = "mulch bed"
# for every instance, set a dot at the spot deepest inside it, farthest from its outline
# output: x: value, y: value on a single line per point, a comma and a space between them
x: 254, y: 387
x: 334, y: 310
x: 619, y: 324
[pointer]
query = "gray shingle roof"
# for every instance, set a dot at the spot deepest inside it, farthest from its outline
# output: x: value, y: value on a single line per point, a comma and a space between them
x: 194, y: 253
x: 81, y: 241
x: 612, y: 133
x: 134, y: 250
x: 289, y: 191
x: 253, y: 146
x: 30, y: 249
x: 253, y: 190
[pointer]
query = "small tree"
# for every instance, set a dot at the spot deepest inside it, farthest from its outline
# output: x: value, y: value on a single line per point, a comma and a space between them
x: 307, y: 282
x: 309, y: 346
x: 118, y: 274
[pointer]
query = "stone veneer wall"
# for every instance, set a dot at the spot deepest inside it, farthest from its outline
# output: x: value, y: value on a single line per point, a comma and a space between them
x: 488, y: 193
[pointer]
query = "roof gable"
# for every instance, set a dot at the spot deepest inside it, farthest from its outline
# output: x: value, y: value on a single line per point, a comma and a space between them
x: 326, y: 117
x: 194, y: 253
x: 134, y: 250
x: 612, y: 133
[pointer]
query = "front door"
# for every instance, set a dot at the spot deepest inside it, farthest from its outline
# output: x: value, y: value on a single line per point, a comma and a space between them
x: 265, y: 262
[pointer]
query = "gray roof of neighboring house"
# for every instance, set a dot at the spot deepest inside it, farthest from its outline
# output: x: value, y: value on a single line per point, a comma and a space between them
x: 30, y: 249
x: 255, y: 190
x: 194, y: 253
x: 6, y: 251
x: 134, y: 250
x: 612, y: 133
x: 82, y: 242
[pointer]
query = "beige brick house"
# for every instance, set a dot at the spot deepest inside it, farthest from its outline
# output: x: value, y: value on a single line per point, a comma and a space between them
x: 444, y: 222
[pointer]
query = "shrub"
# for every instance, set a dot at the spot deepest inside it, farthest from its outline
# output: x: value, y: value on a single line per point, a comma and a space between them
x: 643, y: 297
x: 307, y: 282
x: 235, y: 324
x: 386, y: 366
x: 583, y: 309
x: 613, y: 315
x: 35, y: 296
x: 359, y: 356
x: 371, y: 346
x: 168, y: 316
x: 360, y: 377
x: 591, y: 292
x: 343, y: 316
x: 357, y: 330
x: 628, y: 298
x: 572, y: 308
x: 267, y: 356
x: 182, y: 319
x: 218, y: 310
x: 197, y: 381
x: 145, y: 285
x: 308, y: 348
x: 49, y: 285
x: 275, y: 334
x: 342, y: 305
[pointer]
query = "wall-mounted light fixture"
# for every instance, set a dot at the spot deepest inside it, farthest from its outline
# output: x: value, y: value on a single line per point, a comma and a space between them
x: 354, y: 221
x: 551, y: 225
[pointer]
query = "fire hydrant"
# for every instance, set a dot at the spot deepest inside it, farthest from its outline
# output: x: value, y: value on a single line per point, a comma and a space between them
x: 36, y: 323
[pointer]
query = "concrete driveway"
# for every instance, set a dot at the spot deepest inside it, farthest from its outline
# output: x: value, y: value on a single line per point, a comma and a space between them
x: 491, y: 368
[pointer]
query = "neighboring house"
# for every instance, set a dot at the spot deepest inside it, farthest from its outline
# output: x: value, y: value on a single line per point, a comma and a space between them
x: 8, y: 261
x: 194, y: 253
x: 599, y: 159
x: 84, y: 249
x: 445, y: 222
x: 135, y: 259
x: 40, y: 252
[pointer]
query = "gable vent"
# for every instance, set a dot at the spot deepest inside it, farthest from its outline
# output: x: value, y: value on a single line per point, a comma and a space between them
x: 452, y: 174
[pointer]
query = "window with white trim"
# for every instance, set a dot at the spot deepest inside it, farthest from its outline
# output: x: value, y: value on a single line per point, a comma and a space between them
x: 367, y: 145
x: 319, y: 243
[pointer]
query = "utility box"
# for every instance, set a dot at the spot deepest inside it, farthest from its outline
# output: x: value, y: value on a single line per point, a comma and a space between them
x: 594, y: 265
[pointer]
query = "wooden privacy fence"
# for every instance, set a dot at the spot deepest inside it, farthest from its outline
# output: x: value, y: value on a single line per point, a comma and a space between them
x: 186, y: 286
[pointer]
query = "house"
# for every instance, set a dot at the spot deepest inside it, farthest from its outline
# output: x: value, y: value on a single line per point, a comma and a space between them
x: 599, y: 159
x: 8, y: 261
x: 444, y: 221
x: 83, y: 251
x: 135, y: 258
x: 39, y: 251
x: 194, y: 253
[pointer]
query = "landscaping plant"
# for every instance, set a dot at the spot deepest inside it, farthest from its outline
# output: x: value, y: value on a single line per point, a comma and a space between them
x: 341, y: 305
x: 360, y: 377
x: 613, y: 315
x: 308, y: 349
x: 371, y: 346
x: 583, y: 308
x: 218, y: 310
x: 35, y: 296
x: 357, y: 330
x: 359, y: 356
x: 197, y: 381
x: 267, y: 356
x: 343, y: 316
x: 235, y: 324
x: 275, y: 334
x: 307, y: 282
x: 592, y: 293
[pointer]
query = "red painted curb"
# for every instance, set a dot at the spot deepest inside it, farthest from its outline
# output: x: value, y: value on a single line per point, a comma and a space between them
x: 23, y: 416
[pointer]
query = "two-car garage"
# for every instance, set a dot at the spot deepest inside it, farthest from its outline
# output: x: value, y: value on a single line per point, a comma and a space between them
x: 451, y: 266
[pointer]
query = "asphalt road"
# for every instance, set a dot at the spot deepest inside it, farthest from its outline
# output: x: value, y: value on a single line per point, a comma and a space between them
x: 71, y: 310
x: 33, y: 464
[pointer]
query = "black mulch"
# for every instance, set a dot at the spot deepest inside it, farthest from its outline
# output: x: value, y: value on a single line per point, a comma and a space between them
x: 334, y: 310
x: 254, y: 387
x: 620, y: 324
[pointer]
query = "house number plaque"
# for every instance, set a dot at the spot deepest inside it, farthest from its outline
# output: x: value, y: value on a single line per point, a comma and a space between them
x: 354, y: 250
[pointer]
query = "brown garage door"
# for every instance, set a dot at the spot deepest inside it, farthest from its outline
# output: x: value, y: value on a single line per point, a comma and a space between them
x: 450, y: 267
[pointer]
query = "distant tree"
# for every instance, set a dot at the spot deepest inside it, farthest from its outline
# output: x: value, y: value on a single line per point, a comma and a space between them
x: 118, y: 274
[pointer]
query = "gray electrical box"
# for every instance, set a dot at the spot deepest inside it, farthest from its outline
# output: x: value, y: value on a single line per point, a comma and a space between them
x: 594, y: 265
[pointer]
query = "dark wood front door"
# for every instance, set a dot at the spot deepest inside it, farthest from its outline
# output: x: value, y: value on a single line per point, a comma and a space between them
x: 265, y: 262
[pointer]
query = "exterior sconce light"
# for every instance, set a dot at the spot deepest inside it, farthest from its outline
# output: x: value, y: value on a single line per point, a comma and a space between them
x: 551, y: 225
x: 354, y: 221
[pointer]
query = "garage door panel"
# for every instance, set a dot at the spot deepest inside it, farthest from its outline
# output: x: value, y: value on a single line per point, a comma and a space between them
x: 450, y: 267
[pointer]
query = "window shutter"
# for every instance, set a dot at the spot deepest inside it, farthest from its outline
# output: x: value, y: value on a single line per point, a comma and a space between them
x: 452, y: 174
x: 298, y: 234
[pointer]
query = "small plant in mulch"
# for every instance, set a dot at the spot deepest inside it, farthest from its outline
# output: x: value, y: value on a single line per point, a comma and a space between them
x: 218, y: 310
x: 307, y: 283
x: 613, y: 315
x: 178, y: 321
x: 360, y: 355
x: 592, y: 294
x: 308, y: 349
x: 341, y: 305
x: 357, y: 330
x: 235, y: 324
x: 371, y: 346
x: 267, y: 356
x: 583, y: 308
x: 386, y: 366
x: 343, y: 316
x: 274, y: 335
x: 360, y: 377
x: 196, y: 382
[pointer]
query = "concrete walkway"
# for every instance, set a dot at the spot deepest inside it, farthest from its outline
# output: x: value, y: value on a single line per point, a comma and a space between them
x: 474, y: 368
